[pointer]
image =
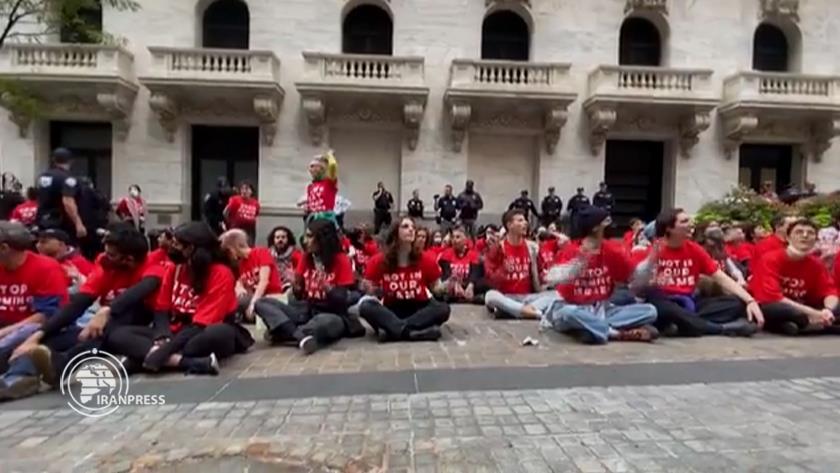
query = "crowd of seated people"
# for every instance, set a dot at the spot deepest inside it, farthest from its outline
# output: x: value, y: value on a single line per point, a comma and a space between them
x: 184, y: 302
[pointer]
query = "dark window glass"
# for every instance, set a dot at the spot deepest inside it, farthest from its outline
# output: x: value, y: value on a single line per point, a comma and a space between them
x: 368, y: 30
x: 83, y: 27
x: 226, y: 25
x: 505, y: 35
x: 640, y: 43
x: 770, y: 49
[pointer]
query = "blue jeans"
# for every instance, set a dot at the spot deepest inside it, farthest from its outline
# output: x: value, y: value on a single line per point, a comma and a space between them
x: 598, y: 320
x: 512, y: 304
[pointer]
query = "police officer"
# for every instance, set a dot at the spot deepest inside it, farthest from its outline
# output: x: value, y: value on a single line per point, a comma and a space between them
x: 552, y: 207
x: 447, y: 208
x: 382, y: 203
x: 577, y: 203
x: 604, y: 198
x: 58, y: 197
x: 469, y: 203
x: 415, y: 205
x: 525, y: 204
x: 214, y: 205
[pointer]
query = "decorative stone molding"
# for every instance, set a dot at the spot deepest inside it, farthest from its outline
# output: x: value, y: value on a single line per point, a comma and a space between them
x: 735, y: 129
x: 601, y: 121
x: 788, y: 9
x: 555, y: 118
x: 316, y: 117
x: 658, y: 6
x: 22, y: 121
x: 166, y: 110
x: 413, y: 118
x: 690, y: 128
x: 459, y: 115
x: 819, y: 141
x: 118, y: 106
x: 267, y: 110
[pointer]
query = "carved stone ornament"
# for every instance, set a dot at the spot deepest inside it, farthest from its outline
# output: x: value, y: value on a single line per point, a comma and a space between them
x: 459, y: 114
x: 316, y: 116
x: 488, y: 3
x: 659, y: 6
x: 267, y: 110
x: 735, y: 128
x: 166, y: 109
x: 118, y: 106
x: 820, y: 138
x: 412, y: 118
x: 601, y: 121
x: 22, y: 120
x: 555, y: 118
x: 690, y: 129
x: 780, y: 9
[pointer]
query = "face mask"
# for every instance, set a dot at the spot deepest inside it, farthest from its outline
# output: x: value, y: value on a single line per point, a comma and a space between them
x: 134, y: 193
x: 176, y: 256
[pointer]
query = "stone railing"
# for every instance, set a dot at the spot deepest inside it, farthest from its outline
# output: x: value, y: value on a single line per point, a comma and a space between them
x: 776, y: 86
x: 363, y: 69
x: 67, y: 60
x: 214, y: 64
x: 507, y: 75
x: 649, y: 82
x: 655, y: 5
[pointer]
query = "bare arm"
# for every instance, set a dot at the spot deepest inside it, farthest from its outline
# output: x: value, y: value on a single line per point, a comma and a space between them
x: 72, y: 210
x: 262, y: 284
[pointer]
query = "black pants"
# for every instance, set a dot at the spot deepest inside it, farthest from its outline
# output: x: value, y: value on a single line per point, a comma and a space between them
x: 65, y: 345
x: 776, y: 314
x: 711, y: 314
x: 380, y: 218
x: 398, y: 320
x: 547, y: 220
x: 136, y: 342
x: 296, y: 320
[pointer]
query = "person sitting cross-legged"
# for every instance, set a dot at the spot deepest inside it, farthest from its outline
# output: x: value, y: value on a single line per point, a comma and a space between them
x: 671, y: 273
x: 405, y: 278
x: 586, y: 275
x: 258, y: 274
x: 794, y: 288
x: 511, y: 269
x: 462, y: 273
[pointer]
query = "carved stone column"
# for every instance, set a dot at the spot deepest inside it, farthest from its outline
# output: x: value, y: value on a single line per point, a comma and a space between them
x: 316, y: 116
x: 555, y: 119
x: 690, y: 129
x: 412, y: 119
x: 735, y: 128
x: 459, y: 114
x: 166, y: 110
x: 601, y: 120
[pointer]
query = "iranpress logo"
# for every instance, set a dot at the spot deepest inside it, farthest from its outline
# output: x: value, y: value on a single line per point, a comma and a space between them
x: 96, y: 384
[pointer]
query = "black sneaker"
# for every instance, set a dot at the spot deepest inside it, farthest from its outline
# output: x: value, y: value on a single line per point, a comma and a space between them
x: 740, y: 328
x: 354, y: 327
x: 790, y: 328
x: 431, y: 334
x: 670, y: 330
x: 207, y: 365
x: 130, y: 366
x: 308, y: 345
x: 24, y: 387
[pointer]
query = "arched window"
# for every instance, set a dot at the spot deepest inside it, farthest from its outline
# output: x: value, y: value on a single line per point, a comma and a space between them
x: 368, y: 29
x: 640, y: 43
x: 770, y: 49
x: 226, y: 24
x: 83, y: 25
x: 505, y: 35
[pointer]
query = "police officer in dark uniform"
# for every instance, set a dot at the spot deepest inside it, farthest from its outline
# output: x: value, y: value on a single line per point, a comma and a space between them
x: 214, y: 205
x: 382, y: 203
x: 415, y: 205
x: 469, y: 203
x: 447, y: 208
x: 58, y: 197
x: 604, y: 198
x: 577, y: 203
x: 525, y: 204
x: 552, y: 207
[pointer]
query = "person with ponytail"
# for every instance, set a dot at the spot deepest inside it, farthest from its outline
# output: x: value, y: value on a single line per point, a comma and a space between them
x: 405, y: 278
x: 194, y: 310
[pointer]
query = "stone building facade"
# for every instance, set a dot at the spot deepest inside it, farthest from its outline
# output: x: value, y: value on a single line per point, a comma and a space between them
x: 671, y: 102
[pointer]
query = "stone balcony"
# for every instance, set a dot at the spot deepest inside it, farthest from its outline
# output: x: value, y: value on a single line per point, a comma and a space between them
x: 659, y: 6
x: 365, y: 88
x: 649, y: 100
x: 508, y: 94
x: 214, y: 82
x: 796, y: 107
x: 73, y: 81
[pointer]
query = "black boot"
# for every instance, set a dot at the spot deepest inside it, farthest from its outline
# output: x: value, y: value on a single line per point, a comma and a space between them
x: 430, y: 334
x: 204, y: 365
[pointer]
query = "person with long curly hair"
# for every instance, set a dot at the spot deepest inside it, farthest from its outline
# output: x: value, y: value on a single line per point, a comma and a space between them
x: 283, y: 246
x: 405, y: 279
x: 194, y: 313
x: 318, y: 315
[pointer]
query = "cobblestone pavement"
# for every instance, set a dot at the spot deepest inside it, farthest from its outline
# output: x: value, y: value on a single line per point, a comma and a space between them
x: 782, y: 426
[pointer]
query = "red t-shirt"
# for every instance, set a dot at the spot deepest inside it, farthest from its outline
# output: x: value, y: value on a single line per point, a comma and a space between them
x: 627, y: 240
x: 176, y: 295
x: 122, y: 209
x: 82, y: 265
x: 403, y: 284
x: 459, y: 266
x: 320, y: 195
x: 597, y: 281
x: 740, y: 251
x: 547, y: 254
x: 107, y: 283
x: 481, y: 245
x: 363, y: 255
x: 837, y: 271
x: 765, y: 246
x: 316, y: 282
x: 510, y: 268
x: 777, y: 275
x: 25, y: 213
x: 249, y: 271
x: 678, y: 269
x: 157, y: 257
x: 38, y: 276
x: 242, y: 212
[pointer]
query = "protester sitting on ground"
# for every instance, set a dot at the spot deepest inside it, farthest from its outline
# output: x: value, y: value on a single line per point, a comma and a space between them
x: 462, y: 272
x: 551, y: 243
x: 422, y: 239
x: 258, y: 275
x: 195, y: 310
x: 481, y: 242
x: 794, y: 288
x: 672, y: 271
x: 511, y: 269
x: 321, y: 192
x: 404, y: 277
x: 318, y: 315
x: 636, y: 225
x: 587, y: 272
x: 438, y: 243
x: 366, y: 247
x: 132, y: 208
x: 26, y: 212
x: 776, y: 241
x: 714, y: 244
x: 55, y: 244
x: 828, y: 241
x: 122, y: 287
x: 242, y: 211
x: 283, y: 246
x: 737, y: 246
x: 160, y: 241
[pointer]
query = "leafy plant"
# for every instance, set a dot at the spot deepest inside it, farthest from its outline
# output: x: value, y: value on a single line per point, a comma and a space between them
x: 741, y: 205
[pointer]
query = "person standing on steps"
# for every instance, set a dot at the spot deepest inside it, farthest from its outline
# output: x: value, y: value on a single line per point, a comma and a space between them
x: 382, y: 203
x: 552, y: 207
x: 415, y: 206
x: 469, y: 203
x: 525, y: 204
x: 215, y: 203
x: 577, y: 203
x: 58, y: 198
x: 604, y: 198
x: 446, y: 207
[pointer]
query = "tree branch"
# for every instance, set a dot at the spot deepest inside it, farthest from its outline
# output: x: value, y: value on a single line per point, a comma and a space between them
x: 12, y: 22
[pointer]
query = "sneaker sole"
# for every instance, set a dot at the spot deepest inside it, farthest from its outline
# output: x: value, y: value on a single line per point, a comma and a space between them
x: 42, y: 359
x: 28, y: 386
x: 309, y: 346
